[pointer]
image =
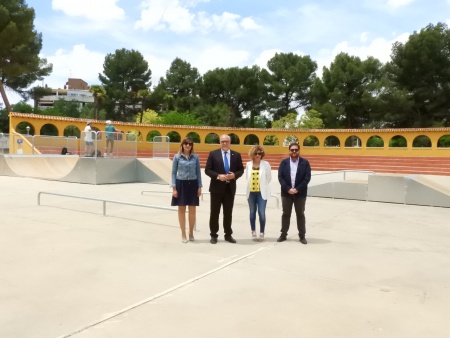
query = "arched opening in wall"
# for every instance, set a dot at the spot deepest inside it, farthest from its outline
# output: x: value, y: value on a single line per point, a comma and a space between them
x: 212, y: 138
x: 95, y: 134
x: 353, y: 142
x: 251, y: 139
x: 271, y: 140
x: 332, y: 142
x: 398, y: 141
x: 72, y: 131
x: 49, y: 130
x: 152, y: 134
x: 375, y: 142
x: 137, y: 135
x: 131, y: 136
x: 174, y: 136
x: 234, y: 139
x: 444, y: 141
x: 290, y: 139
x: 311, y: 141
x: 21, y: 128
x: 422, y: 141
x: 194, y: 137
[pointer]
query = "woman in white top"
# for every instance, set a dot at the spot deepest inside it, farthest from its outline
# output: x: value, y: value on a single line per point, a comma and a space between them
x: 259, y: 175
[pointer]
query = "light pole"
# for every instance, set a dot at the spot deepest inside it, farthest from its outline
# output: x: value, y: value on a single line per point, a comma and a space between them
x: 28, y: 130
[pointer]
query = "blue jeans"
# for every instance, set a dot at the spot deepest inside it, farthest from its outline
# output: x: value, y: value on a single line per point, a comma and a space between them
x: 256, y: 202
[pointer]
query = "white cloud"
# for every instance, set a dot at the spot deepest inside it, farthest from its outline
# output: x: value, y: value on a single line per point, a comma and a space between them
x: 165, y: 14
x: 265, y: 56
x: 398, y: 3
x: 77, y: 63
x: 93, y: 10
x: 177, y: 17
x: 379, y: 48
x: 219, y: 56
x: 364, y: 36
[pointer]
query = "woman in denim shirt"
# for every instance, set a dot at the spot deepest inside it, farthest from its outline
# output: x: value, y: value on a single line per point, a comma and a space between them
x: 186, y: 185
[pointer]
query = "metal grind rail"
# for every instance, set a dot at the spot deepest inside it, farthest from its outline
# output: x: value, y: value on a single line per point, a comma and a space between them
x: 207, y: 193
x: 104, y: 201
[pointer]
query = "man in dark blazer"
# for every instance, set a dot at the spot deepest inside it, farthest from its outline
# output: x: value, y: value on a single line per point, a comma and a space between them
x: 223, y: 186
x: 294, y: 174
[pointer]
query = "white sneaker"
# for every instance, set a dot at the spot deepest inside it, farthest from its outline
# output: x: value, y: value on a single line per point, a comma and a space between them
x: 254, y: 236
x: 261, y: 237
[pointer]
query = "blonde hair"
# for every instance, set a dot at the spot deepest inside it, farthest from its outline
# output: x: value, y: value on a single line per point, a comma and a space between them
x: 255, y: 149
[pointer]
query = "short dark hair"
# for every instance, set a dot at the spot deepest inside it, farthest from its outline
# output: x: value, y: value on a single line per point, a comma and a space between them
x: 294, y: 144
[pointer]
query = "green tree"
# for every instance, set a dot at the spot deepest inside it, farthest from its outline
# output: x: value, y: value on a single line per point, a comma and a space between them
x: 22, y: 107
x: 286, y: 122
x: 143, y: 95
x: 347, y: 94
x: 124, y: 73
x: 421, y: 67
x: 289, y: 82
x: 37, y: 93
x: 20, y: 64
x: 176, y: 118
x: 239, y: 89
x: 311, y: 120
x: 182, y: 82
x: 99, y: 94
x: 62, y: 107
x: 149, y: 116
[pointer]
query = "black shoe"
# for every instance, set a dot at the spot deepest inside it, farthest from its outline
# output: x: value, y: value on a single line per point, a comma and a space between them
x: 213, y: 240
x: 282, y: 238
x: 230, y: 239
x: 303, y: 240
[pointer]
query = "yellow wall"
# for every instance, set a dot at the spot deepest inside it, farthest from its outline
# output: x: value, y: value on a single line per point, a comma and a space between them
x: 434, y: 134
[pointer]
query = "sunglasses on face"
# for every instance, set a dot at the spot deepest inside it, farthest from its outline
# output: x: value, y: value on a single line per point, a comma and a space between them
x: 293, y: 150
x: 187, y: 144
x: 259, y: 154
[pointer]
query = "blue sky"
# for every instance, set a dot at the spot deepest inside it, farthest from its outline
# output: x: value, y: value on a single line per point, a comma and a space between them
x: 78, y: 34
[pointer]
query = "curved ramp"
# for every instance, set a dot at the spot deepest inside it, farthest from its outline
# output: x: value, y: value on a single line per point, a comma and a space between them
x: 46, y: 167
x: 71, y: 168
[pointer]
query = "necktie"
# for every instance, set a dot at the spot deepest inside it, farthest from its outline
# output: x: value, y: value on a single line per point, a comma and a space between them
x: 225, y: 162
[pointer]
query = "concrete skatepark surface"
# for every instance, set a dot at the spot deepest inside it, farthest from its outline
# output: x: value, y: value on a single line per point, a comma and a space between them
x: 369, y: 269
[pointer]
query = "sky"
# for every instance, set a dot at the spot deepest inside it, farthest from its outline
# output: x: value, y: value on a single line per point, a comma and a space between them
x: 79, y: 34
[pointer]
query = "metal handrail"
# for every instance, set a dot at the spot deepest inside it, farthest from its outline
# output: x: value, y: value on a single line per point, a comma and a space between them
x: 104, y: 201
x: 207, y: 193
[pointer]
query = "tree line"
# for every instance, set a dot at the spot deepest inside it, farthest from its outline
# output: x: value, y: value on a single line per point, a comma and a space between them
x: 410, y: 90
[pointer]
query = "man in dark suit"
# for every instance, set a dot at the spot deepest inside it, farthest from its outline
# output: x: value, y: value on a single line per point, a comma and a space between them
x: 224, y: 166
x: 294, y: 174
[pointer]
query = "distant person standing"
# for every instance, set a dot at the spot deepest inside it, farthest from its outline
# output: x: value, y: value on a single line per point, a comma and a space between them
x: 109, y: 131
x: 89, y: 144
x: 259, y: 175
x: 186, y: 185
x: 224, y: 166
x: 294, y: 174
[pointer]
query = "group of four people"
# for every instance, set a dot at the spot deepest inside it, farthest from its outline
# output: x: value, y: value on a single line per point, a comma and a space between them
x: 224, y: 166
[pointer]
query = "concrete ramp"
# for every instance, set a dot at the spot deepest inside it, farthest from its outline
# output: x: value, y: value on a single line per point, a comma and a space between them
x: 88, y: 170
x: 154, y: 170
x: 422, y: 191
x: 388, y: 188
x: 46, y: 167
x: 351, y: 190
